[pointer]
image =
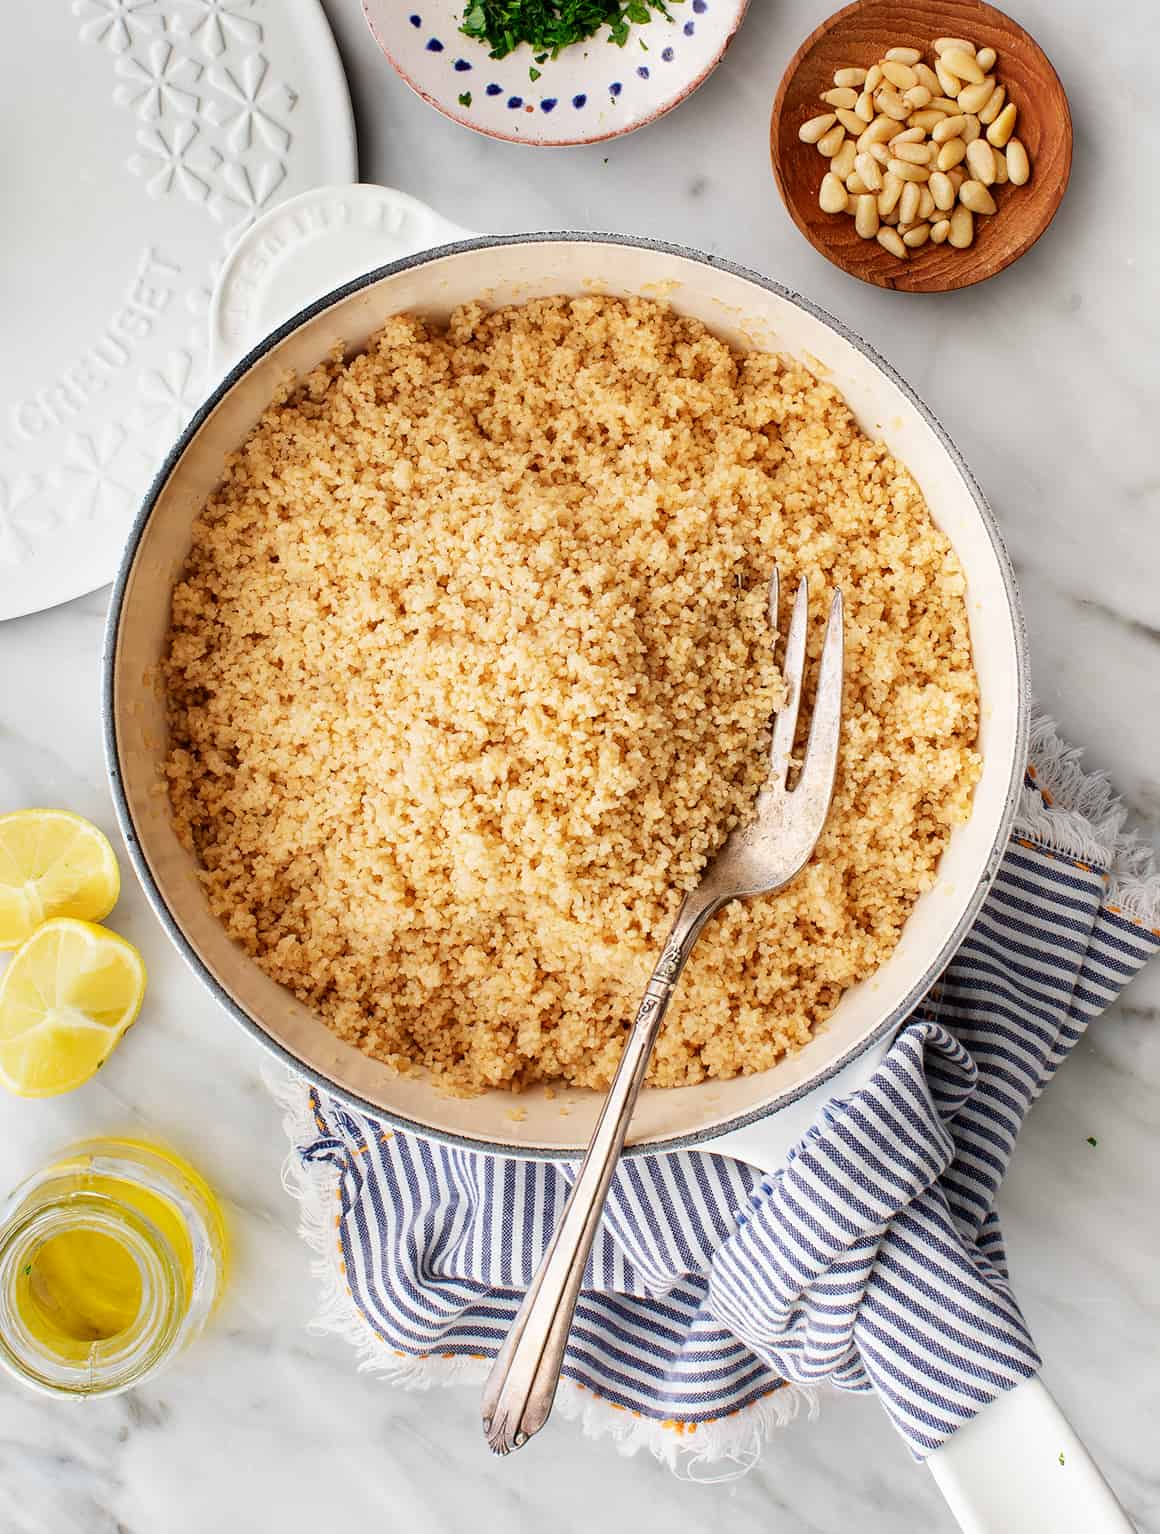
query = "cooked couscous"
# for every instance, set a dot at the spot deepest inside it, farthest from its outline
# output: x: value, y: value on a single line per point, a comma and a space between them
x: 470, y: 670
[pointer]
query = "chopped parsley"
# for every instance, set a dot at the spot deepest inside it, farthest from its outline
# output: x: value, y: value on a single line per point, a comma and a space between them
x: 1061, y: 1459
x: 27, y: 1270
x: 552, y: 25
x: 465, y: 99
x: 533, y: 75
x: 1092, y: 1140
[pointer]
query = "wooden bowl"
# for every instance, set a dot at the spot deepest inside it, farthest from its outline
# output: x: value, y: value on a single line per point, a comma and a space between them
x: 859, y: 35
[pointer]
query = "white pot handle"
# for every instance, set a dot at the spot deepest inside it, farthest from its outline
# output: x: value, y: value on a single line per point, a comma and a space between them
x: 304, y: 248
x: 1016, y: 1468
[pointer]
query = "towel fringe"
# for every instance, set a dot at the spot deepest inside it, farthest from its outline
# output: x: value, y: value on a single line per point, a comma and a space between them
x: 726, y: 1449
x: 1082, y: 817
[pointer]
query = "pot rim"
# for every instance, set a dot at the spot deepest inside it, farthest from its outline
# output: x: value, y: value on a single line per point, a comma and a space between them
x: 140, y: 863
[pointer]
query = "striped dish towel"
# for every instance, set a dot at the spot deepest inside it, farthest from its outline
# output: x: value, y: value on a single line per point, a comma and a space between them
x: 717, y: 1299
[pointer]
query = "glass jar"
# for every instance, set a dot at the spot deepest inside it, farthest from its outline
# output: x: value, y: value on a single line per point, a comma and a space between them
x: 111, y: 1260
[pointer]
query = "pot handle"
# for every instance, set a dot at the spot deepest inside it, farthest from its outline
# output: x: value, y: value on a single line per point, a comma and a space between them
x: 306, y: 247
x: 1016, y: 1468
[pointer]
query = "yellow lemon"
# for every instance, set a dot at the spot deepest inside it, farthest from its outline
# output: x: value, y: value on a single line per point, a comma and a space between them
x: 52, y: 864
x: 67, y: 996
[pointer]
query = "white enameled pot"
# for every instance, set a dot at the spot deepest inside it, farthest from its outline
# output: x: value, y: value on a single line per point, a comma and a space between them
x: 373, y: 252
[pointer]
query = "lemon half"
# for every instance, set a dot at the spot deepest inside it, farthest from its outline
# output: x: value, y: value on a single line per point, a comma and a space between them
x: 52, y: 863
x: 67, y: 996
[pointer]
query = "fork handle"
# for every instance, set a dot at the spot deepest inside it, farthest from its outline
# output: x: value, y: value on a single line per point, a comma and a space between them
x: 521, y: 1387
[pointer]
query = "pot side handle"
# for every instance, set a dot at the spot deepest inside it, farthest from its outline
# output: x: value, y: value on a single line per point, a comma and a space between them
x: 1016, y: 1468
x: 306, y: 247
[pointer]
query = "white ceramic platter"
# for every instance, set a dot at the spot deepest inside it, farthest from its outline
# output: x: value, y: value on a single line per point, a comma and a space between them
x: 595, y: 89
x: 141, y: 138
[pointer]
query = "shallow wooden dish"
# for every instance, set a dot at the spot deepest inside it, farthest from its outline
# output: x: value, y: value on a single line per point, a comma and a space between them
x: 859, y: 35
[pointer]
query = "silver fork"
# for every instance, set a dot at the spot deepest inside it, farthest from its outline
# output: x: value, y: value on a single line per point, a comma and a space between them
x: 754, y: 859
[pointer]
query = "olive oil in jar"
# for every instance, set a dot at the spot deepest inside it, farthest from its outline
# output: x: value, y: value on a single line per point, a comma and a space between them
x: 111, y: 1259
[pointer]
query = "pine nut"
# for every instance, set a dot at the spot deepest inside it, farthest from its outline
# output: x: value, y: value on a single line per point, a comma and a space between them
x: 951, y: 84
x: 851, y: 78
x: 951, y: 153
x: 866, y: 217
x: 879, y: 131
x: 880, y: 153
x: 864, y: 107
x: 962, y: 227
x: 870, y: 171
x: 817, y: 127
x: 832, y: 198
x: 948, y: 128
x: 855, y: 185
x: 942, y: 190
x: 972, y: 97
x: 1003, y: 126
x: 981, y: 161
x: 890, y: 218
x: 873, y: 78
x: 908, y: 136
x: 841, y: 96
x: 890, y: 195
x: 889, y: 240
x: 913, y: 154
x: 891, y: 104
x: 946, y: 105
x: 956, y: 176
x: 1018, y: 165
x: 974, y: 195
x: 927, y: 77
x: 988, y: 113
x: 963, y: 64
x: 903, y: 55
x: 1002, y: 175
x: 908, y: 203
x: 925, y: 202
x: 850, y: 121
x: 831, y: 141
x: 941, y: 45
x: 986, y: 58
x: 916, y: 236
x: 927, y: 119
x: 900, y: 75
x: 939, y: 231
x: 971, y: 129
x: 908, y: 172
x: 917, y: 97
x: 843, y: 162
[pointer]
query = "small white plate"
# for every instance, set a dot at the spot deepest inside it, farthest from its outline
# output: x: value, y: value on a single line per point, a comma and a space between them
x: 595, y: 90
x: 143, y: 137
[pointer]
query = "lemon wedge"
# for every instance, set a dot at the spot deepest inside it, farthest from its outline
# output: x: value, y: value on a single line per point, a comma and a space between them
x: 52, y: 863
x: 67, y: 996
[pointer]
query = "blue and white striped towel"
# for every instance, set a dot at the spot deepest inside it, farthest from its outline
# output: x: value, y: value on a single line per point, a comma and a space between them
x: 715, y: 1298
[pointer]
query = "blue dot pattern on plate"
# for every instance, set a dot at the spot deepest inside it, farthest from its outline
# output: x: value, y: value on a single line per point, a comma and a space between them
x: 549, y: 103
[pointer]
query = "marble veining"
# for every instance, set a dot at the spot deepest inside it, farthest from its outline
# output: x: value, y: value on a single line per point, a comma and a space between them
x: 1046, y: 377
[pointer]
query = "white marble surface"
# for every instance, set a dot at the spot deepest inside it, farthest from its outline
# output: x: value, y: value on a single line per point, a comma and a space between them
x: 1047, y: 378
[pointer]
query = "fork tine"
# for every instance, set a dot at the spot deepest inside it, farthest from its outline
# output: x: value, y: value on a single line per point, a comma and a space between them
x: 821, y: 759
x: 781, y: 747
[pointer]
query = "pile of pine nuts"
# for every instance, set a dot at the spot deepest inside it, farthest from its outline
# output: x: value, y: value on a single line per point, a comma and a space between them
x: 915, y: 151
